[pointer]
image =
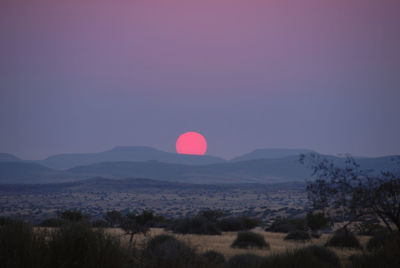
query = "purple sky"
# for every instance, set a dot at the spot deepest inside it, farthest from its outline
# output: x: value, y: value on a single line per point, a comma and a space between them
x: 85, y: 76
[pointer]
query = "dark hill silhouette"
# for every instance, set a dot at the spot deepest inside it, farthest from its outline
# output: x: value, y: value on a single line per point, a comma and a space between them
x: 252, y: 171
x: 8, y: 158
x: 126, y: 153
x: 26, y: 172
x: 261, y: 170
x: 283, y: 169
x: 271, y: 153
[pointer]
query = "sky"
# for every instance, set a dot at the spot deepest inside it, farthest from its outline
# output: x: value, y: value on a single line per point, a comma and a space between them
x: 85, y: 76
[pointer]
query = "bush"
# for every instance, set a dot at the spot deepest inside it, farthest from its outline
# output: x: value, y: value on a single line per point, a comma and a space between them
x: 166, y: 251
x: 51, y: 222
x: 325, y: 255
x: 281, y: 226
x: 113, y: 218
x: 73, y: 216
x: 249, y: 239
x: 368, y: 227
x: 298, y: 236
x: 160, y: 221
x: 317, y: 221
x: 21, y: 246
x: 343, y: 239
x: 385, y: 256
x: 378, y: 240
x: 240, y: 223
x: 7, y: 221
x: 287, y: 225
x: 315, y: 234
x: 78, y: 245
x: 213, y: 259
x: 310, y: 257
x: 212, y: 215
x: 246, y: 261
x: 100, y: 224
x: 195, y: 225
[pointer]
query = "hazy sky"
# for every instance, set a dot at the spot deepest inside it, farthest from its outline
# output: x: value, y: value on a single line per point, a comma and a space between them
x: 85, y: 76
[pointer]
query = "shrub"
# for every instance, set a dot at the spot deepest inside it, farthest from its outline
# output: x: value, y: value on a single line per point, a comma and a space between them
x: 315, y: 234
x: 51, y: 222
x: 160, y: 221
x: 385, y: 256
x: 195, y: 225
x: 166, y: 251
x: 240, y: 223
x: 7, y: 221
x: 249, y: 239
x: 100, y: 224
x: 78, y: 245
x: 317, y: 221
x: 213, y: 259
x: 73, y: 215
x: 212, y: 214
x: 378, y: 240
x: 21, y: 246
x: 368, y: 227
x: 287, y: 225
x: 113, y: 218
x: 309, y: 257
x: 324, y: 254
x: 343, y: 239
x: 246, y: 261
x: 281, y: 226
x: 299, y: 224
x: 145, y: 218
x: 298, y: 236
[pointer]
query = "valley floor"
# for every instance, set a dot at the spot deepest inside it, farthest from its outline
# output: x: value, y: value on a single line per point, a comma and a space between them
x: 222, y: 243
x: 265, y: 202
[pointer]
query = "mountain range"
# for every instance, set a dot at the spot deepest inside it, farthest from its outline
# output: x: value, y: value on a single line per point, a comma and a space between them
x: 8, y: 158
x: 143, y: 153
x: 259, y: 166
x: 127, y: 153
x: 271, y: 153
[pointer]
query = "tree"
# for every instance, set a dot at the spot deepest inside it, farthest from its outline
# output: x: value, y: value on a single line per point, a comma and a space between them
x: 113, y: 218
x: 73, y: 215
x: 317, y: 221
x: 381, y: 197
x: 134, y: 224
x: 354, y: 193
x: 212, y: 214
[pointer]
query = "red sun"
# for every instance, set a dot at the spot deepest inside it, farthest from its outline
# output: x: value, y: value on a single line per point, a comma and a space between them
x: 191, y: 143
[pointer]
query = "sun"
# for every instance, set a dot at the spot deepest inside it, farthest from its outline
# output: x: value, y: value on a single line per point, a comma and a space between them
x: 191, y: 143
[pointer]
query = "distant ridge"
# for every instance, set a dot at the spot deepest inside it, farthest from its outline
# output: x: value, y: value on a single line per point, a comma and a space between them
x: 126, y: 153
x: 251, y: 171
x: 8, y: 158
x: 259, y: 166
x: 271, y: 153
x: 25, y: 172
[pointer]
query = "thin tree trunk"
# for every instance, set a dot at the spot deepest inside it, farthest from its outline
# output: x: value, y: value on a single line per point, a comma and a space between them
x: 130, y: 240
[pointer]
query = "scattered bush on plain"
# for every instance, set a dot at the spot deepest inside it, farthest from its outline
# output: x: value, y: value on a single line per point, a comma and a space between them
x: 249, y: 240
x: 343, y: 239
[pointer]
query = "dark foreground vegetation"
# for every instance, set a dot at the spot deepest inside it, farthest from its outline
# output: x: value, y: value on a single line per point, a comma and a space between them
x: 249, y: 240
x: 77, y: 244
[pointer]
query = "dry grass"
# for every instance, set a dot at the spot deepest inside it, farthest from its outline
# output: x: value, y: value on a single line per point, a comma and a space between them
x: 222, y: 243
